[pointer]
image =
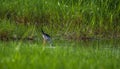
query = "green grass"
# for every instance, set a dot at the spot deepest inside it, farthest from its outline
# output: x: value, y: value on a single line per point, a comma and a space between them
x: 89, y: 17
x: 65, y: 55
x: 66, y: 21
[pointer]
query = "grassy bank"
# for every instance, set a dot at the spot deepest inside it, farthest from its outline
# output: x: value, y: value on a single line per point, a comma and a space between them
x: 81, y: 18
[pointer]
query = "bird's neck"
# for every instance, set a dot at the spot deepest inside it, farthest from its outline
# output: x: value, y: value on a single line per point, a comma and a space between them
x: 42, y: 31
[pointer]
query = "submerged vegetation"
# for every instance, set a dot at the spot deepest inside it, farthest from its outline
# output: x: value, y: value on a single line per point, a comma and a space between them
x: 81, y: 18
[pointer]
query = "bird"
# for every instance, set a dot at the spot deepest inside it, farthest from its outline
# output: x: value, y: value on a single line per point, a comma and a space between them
x: 46, y: 38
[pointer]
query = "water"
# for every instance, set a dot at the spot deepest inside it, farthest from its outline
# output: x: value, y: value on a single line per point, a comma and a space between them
x: 94, y: 43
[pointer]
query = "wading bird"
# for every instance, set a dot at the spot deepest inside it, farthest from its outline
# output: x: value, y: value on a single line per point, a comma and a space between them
x: 46, y: 38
